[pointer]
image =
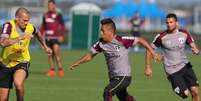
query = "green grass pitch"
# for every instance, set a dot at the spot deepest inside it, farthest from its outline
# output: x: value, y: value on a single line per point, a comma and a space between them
x: 86, y: 83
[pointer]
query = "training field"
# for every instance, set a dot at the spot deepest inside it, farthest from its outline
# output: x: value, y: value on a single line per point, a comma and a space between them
x: 88, y: 81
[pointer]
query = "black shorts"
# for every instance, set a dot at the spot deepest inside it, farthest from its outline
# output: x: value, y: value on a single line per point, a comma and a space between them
x: 6, y: 74
x: 117, y: 84
x: 51, y: 42
x: 183, y: 79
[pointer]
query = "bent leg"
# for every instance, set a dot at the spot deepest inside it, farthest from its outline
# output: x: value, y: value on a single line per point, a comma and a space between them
x: 192, y: 82
x: 124, y: 96
x: 117, y: 84
x: 19, y: 78
x: 195, y: 93
x: 179, y: 85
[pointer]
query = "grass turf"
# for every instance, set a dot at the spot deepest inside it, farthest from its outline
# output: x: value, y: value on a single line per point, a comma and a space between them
x: 86, y: 83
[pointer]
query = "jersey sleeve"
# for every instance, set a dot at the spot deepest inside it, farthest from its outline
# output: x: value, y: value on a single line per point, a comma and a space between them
x: 156, y: 42
x: 129, y: 41
x: 6, y: 30
x: 35, y: 30
x: 96, y: 48
x: 189, y: 38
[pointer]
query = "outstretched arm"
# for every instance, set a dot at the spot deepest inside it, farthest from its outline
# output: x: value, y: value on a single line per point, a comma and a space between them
x: 86, y: 58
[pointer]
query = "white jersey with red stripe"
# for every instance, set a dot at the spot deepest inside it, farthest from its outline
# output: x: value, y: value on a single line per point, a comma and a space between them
x: 173, y: 49
x: 116, y: 54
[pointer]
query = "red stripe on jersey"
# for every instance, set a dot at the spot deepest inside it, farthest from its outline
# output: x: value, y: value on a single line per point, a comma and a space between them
x: 97, y: 47
x: 126, y: 42
x: 158, y: 39
x: 189, y: 37
x: 6, y: 29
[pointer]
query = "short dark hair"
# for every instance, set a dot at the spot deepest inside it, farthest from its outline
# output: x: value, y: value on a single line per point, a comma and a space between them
x: 108, y: 21
x: 172, y: 15
x: 52, y: 1
x: 21, y: 10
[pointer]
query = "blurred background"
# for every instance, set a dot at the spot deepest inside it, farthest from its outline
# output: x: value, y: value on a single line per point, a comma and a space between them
x: 88, y: 13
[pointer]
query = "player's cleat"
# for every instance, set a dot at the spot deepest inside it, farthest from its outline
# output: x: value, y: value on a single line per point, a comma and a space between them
x: 60, y: 73
x: 51, y: 73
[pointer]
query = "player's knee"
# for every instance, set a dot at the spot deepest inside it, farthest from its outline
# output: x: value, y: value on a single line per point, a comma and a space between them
x: 19, y: 86
x: 195, y: 91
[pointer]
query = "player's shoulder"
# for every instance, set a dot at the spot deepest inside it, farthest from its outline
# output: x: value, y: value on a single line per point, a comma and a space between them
x: 183, y: 30
x: 7, y: 24
x: 100, y: 40
x: 161, y: 34
x: 47, y: 13
x: 121, y: 38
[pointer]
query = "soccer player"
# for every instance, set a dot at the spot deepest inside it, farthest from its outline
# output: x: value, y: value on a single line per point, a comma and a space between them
x: 15, y: 58
x: 136, y: 22
x: 177, y: 67
x: 115, y: 50
x: 53, y: 30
